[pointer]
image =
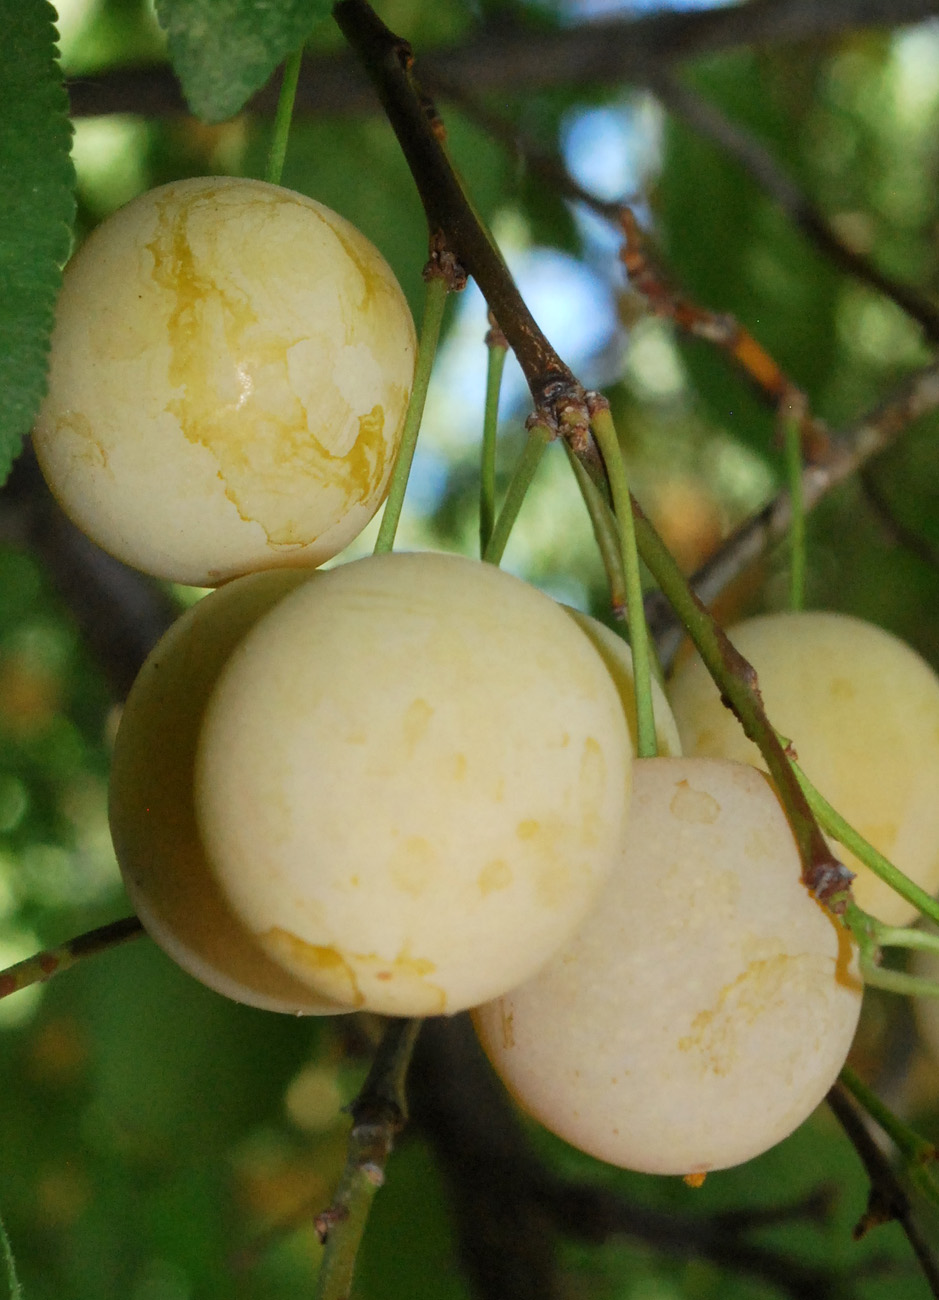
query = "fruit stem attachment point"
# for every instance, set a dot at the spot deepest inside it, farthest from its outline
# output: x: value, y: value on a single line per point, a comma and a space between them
x: 435, y: 300
x: 872, y: 936
x: 379, y: 1113
x: 283, y: 118
x: 604, y: 430
x: 845, y: 834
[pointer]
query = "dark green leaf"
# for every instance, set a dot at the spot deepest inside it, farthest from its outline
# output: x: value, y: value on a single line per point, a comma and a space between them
x: 36, y: 212
x: 225, y: 50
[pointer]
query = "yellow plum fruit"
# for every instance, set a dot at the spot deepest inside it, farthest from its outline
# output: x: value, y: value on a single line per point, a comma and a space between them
x: 706, y: 1004
x: 230, y: 368
x: 412, y: 779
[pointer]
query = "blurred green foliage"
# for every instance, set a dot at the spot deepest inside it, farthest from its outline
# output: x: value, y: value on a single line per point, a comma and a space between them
x: 161, y: 1143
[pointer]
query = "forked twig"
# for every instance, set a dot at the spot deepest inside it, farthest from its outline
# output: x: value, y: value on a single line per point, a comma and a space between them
x: 887, y: 1200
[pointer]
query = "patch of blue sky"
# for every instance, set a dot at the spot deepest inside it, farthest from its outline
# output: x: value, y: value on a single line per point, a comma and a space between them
x: 578, y: 10
x: 597, y: 144
x: 427, y: 481
x: 612, y: 152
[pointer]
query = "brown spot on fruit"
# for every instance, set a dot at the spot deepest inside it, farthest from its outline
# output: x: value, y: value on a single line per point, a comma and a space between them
x: 690, y: 805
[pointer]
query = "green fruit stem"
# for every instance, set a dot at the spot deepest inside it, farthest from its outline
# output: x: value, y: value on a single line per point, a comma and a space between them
x: 604, y: 431
x: 605, y: 531
x: 14, y: 1290
x: 871, y: 938
x: 498, y: 349
x: 919, y: 1156
x: 522, y: 478
x: 435, y: 300
x: 379, y: 1112
x: 845, y: 834
x: 283, y: 118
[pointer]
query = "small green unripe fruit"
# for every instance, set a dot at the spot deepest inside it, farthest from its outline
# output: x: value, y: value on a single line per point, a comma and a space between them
x: 168, y: 877
x: 230, y: 369
x: 412, y: 779
x: 862, y: 712
x: 706, y: 1004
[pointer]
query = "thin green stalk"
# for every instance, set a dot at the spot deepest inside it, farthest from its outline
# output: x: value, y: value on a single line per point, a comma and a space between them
x: 907, y: 936
x: 845, y: 834
x: 498, y: 349
x: 866, y: 933
x: 34, y: 970
x: 887, y: 1199
x: 13, y: 1282
x: 283, y: 118
x: 521, y: 481
x: 605, y: 531
x: 909, y: 1143
x: 605, y: 433
x: 379, y: 1112
x: 435, y: 300
x: 792, y: 434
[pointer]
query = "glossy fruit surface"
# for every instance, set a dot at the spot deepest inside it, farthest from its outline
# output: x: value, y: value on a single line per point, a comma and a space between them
x: 706, y: 1004
x: 862, y: 712
x: 230, y: 369
x: 413, y: 778
x: 170, y: 881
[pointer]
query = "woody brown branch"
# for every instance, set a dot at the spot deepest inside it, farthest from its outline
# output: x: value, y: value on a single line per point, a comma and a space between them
x: 520, y: 58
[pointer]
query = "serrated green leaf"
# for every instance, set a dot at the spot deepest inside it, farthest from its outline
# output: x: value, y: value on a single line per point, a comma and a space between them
x: 36, y: 213
x: 225, y: 50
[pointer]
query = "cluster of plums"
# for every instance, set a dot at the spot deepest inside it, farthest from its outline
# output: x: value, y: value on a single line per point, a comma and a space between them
x: 408, y: 783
